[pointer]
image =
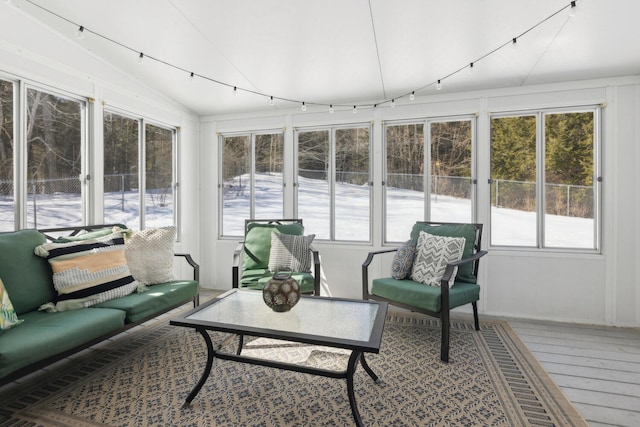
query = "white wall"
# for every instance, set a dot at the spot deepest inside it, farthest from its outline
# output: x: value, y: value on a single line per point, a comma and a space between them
x: 38, y: 56
x: 585, y: 288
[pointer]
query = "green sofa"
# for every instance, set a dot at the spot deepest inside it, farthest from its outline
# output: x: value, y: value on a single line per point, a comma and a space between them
x: 44, y: 337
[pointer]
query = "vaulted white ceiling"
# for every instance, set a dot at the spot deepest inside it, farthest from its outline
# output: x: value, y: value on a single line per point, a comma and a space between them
x: 346, y: 52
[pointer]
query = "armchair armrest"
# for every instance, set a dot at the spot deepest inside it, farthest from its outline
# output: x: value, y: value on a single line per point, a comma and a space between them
x: 316, y: 270
x: 365, y: 270
x: 450, y: 266
x: 235, y: 268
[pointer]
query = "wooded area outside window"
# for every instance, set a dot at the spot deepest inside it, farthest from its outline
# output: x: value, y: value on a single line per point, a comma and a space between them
x: 446, y: 156
x: 252, y: 168
x: 333, y: 192
x: 544, y: 179
x: 55, y: 133
x: 7, y: 196
x: 124, y: 186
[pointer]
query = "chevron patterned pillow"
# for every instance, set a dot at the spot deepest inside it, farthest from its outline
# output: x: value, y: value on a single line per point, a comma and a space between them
x: 432, y: 255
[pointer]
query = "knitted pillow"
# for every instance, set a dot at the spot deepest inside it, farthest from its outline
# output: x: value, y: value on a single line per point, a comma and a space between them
x: 432, y: 255
x: 88, y: 272
x: 290, y: 252
x: 403, y: 260
x: 149, y: 255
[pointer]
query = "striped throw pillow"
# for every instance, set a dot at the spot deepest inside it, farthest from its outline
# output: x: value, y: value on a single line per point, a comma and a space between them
x: 89, y: 272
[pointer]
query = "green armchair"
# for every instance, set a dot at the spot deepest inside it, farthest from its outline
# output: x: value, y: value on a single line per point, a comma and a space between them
x: 436, y: 300
x: 254, y: 263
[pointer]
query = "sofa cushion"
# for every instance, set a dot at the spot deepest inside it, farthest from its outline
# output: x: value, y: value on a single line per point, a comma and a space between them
x: 26, y: 277
x: 416, y: 294
x: 8, y: 316
x: 433, y: 253
x: 149, y: 254
x: 289, y: 252
x: 156, y: 299
x: 46, y: 334
x: 403, y: 260
x: 468, y: 231
x: 257, y: 243
x: 88, y: 272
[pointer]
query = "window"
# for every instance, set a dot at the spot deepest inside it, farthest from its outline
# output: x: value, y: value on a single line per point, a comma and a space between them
x: 252, y: 177
x: 447, y: 160
x: 333, y: 182
x: 543, y: 179
x: 55, y: 135
x: 124, y: 186
x: 7, y: 197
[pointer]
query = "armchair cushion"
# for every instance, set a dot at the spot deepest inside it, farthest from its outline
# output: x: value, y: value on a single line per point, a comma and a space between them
x: 403, y: 260
x: 257, y: 243
x: 256, y: 279
x: 468, y: 231
x: 290, y: 252
x: 432, y: 255
x: 416, y: 294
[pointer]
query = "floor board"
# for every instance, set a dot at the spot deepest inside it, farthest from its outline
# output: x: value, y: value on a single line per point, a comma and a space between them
x: 597, y: 367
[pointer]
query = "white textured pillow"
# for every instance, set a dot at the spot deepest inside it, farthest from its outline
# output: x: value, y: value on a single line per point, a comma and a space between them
x: 432, y: 255
x: 149, y: 254
x: 290, y: 252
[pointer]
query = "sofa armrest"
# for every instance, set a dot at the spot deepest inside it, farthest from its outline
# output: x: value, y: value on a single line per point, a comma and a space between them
x: 365, y: 270
x: 192, y: 263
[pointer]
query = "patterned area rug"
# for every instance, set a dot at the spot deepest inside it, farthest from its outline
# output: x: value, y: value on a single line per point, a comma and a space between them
x: 143, y: 379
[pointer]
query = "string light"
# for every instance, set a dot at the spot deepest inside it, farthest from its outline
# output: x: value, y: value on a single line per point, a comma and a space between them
x: 304, y: 106
x: 235, y: 90
x: 573, y: 7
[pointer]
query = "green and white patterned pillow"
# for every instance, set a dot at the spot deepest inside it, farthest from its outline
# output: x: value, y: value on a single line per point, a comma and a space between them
x: 8, y: 316
x: 433, y: 253
x: 290, y: 252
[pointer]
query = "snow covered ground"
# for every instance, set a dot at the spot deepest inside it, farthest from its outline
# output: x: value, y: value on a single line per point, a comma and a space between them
x: 508, y: 227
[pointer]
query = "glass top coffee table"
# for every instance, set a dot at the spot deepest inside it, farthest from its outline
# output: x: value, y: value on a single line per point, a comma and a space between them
x: 353, y: 325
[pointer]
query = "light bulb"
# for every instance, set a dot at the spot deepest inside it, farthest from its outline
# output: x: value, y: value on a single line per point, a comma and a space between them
x: 80, y: 33
x: 141, y: 58
x: 471, y: 68
x: 331, y: 109
x: 412, y: 96
x: 514, y: 43
x: 304, y: 107
x: 439, y: 85
x: 272, y: 102
x: 574, y: 9
x: 235, y: 91
x: 191, y: 77
x: 355, y: 109
x: 393, y: 103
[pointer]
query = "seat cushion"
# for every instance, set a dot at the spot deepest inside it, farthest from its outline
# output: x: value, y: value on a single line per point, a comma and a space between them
x: 256, y: 279
x: 423, y: 296
x: 156, y: 299
x: 26, y: 277
x: 257, y: 242
x: 468, y: 231
x: 43, y: 334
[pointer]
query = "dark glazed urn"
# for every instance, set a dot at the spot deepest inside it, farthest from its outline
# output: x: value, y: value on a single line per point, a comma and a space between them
x: 281, y: 292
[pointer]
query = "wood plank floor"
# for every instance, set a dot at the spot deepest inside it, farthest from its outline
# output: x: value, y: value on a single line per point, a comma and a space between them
x: 597, y: 367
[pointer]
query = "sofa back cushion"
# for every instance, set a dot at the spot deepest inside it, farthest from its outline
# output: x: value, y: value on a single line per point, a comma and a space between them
x: 26, y: 277
x: 257, y: 243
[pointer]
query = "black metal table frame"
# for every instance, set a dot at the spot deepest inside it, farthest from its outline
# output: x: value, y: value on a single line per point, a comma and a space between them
x: 357, y: 351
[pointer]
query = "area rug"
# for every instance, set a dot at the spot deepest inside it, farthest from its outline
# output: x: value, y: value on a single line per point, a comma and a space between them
x: 142, y: 379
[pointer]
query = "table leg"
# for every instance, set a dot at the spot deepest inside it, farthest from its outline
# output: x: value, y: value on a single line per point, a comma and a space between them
x: 369, y: 371
x: 207, y: 368
x: 351, y: 368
